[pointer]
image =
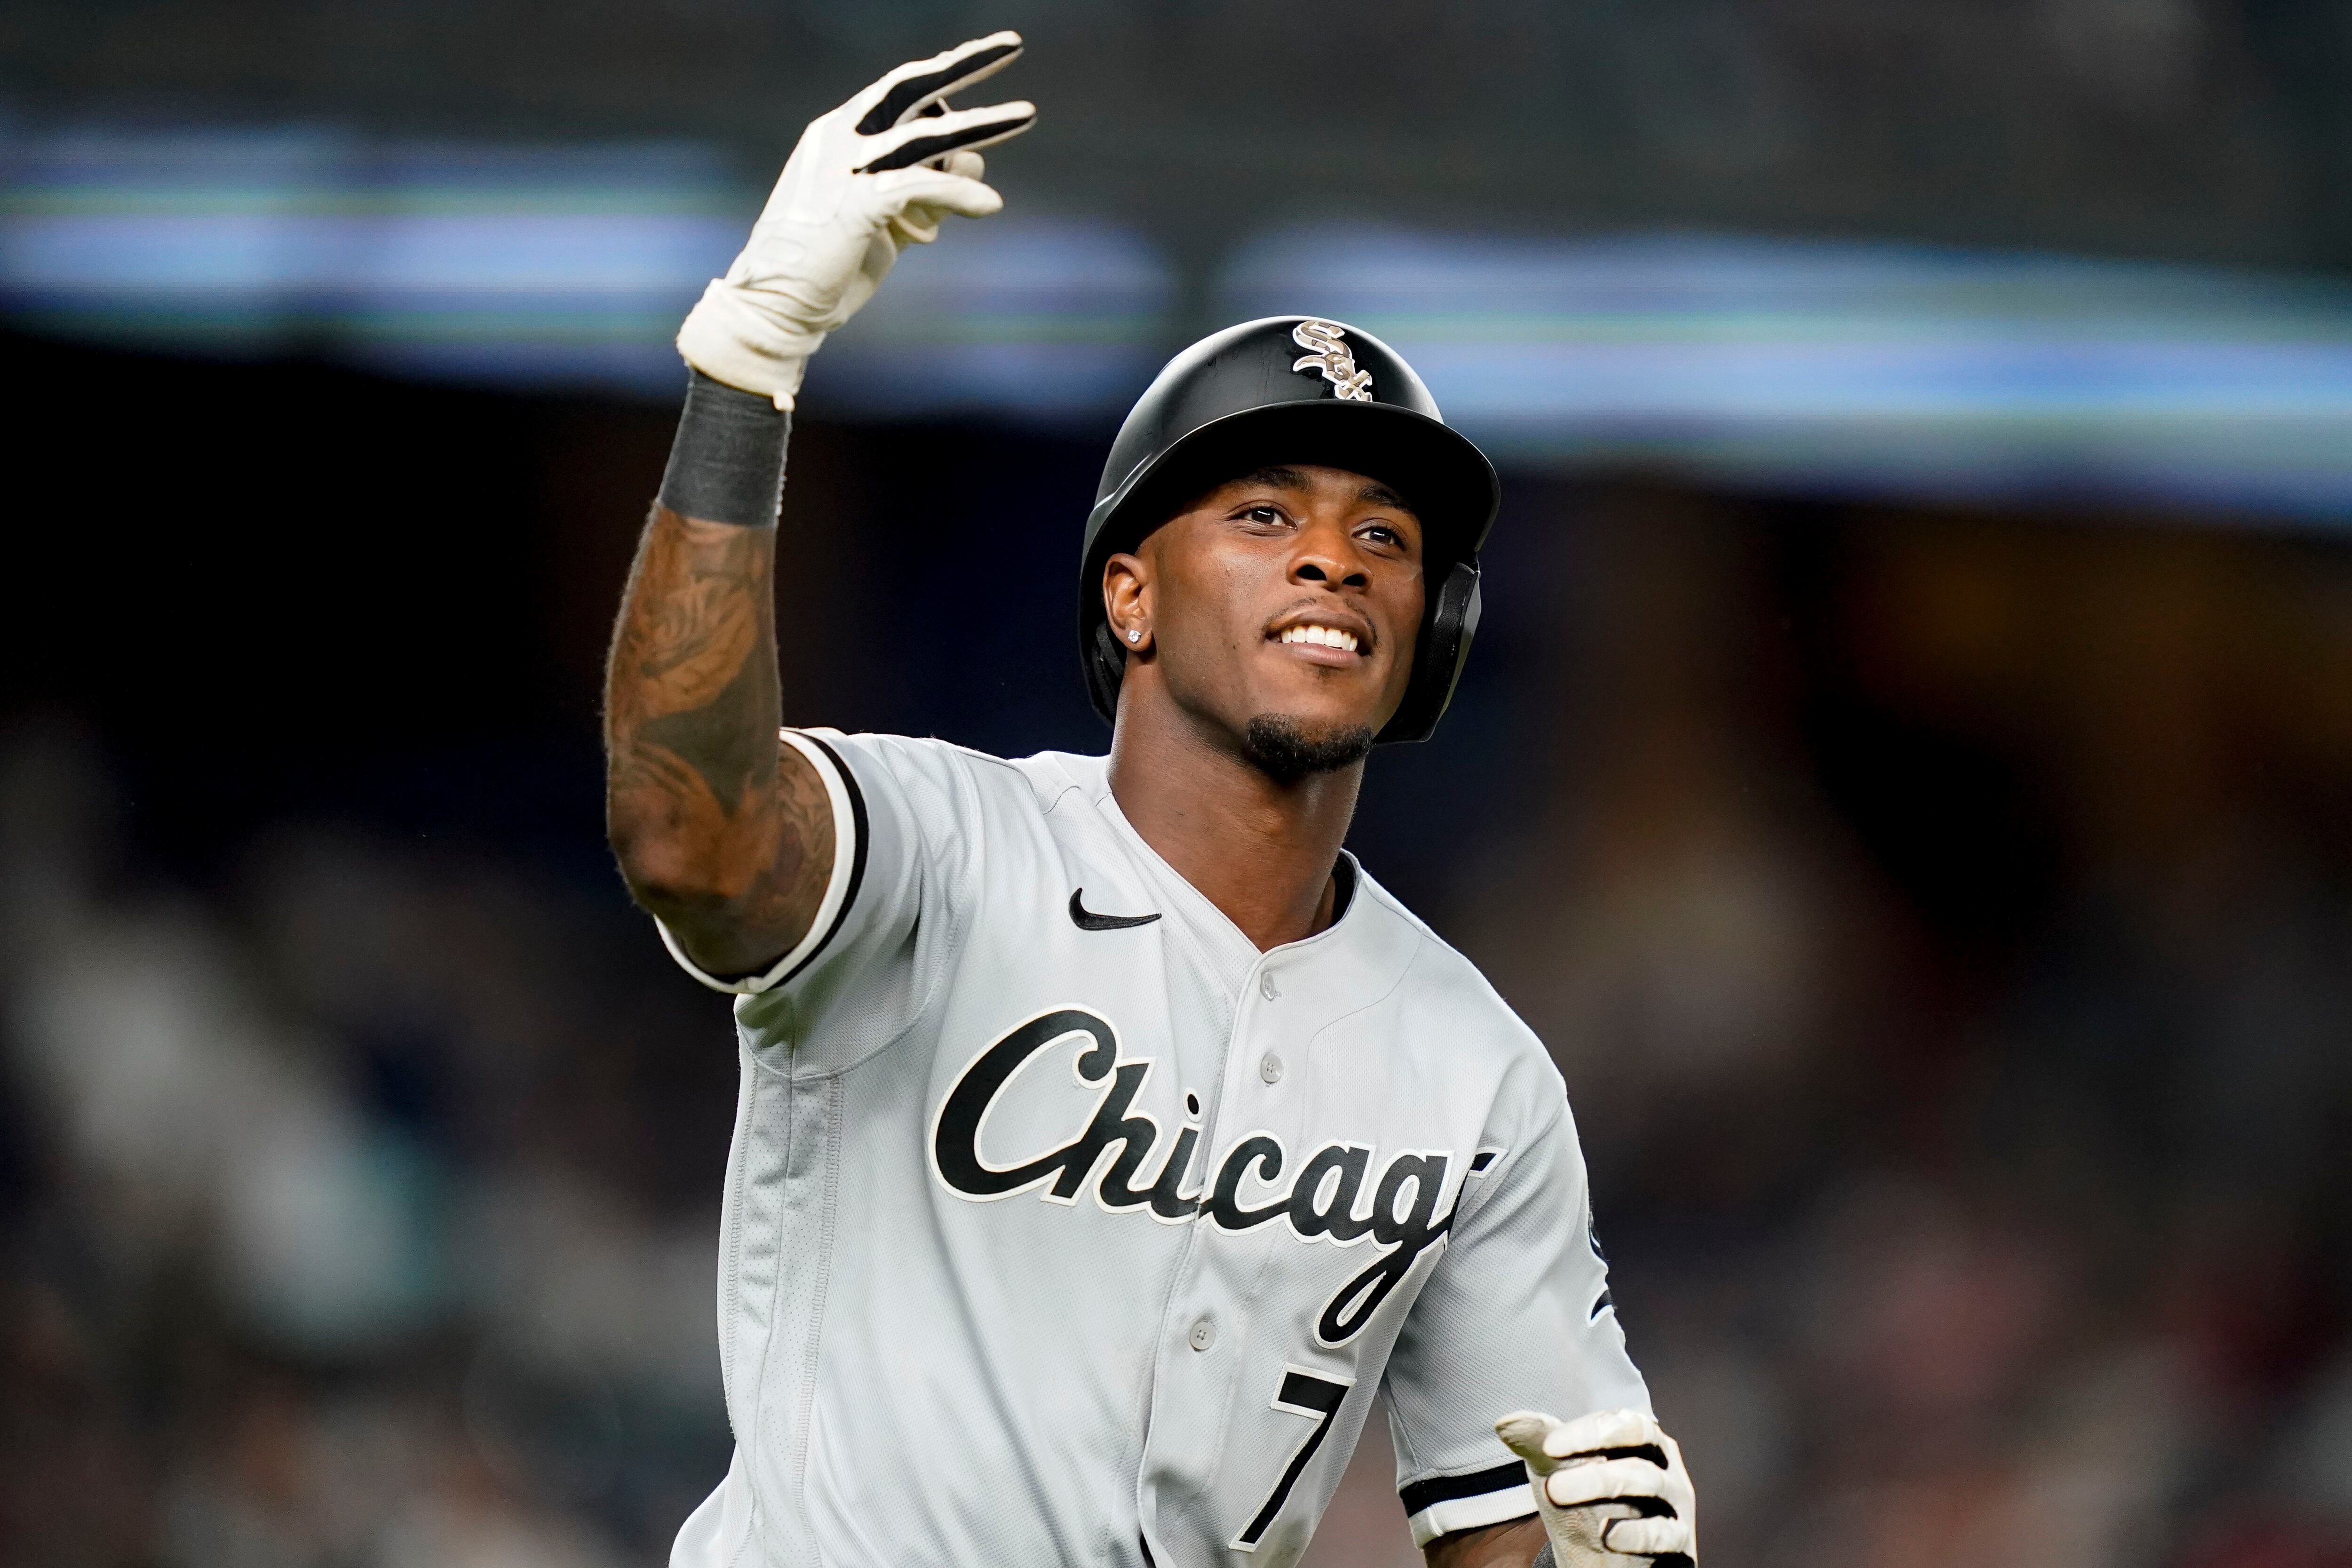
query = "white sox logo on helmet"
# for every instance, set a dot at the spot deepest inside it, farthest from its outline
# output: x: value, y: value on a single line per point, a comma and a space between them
x: 1329, y: 354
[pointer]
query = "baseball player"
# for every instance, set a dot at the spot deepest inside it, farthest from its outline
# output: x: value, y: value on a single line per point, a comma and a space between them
x: 1107, y: 1136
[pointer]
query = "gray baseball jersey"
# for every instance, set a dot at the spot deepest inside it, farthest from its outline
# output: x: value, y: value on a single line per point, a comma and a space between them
x: 1062, y: 1225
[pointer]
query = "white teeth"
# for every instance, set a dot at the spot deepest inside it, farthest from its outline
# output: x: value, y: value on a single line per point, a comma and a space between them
x: 1326, y: 636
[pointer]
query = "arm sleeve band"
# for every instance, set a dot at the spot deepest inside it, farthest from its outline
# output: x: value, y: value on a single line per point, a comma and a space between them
x: 1443, y: 1505
x: 726, y: 463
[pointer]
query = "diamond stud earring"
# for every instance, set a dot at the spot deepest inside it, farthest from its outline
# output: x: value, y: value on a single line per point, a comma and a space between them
x: 1134, y: 635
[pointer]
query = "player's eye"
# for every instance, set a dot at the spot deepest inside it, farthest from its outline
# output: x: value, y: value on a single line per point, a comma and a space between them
x: 1263, y: 514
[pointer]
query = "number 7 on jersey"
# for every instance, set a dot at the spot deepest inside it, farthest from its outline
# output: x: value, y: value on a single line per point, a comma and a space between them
x: 1304, y: 1394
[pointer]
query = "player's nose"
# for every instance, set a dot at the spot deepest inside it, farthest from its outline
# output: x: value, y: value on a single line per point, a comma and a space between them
x: 1323, y: 554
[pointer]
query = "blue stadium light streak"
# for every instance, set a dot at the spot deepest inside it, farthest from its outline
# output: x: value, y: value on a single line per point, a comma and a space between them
x: 1856, y: 366
x: 564, y: 268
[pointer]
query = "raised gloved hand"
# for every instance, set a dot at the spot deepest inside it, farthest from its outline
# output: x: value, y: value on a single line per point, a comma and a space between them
x: 876, y: 174
x: 1610, y: 1486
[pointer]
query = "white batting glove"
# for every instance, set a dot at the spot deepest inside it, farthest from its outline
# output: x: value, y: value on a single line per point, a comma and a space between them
x: 875, y: 174
x: 1603, y: 1500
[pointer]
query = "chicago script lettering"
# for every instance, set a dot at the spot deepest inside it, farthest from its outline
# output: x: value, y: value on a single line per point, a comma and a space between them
x: 1321, y: 1203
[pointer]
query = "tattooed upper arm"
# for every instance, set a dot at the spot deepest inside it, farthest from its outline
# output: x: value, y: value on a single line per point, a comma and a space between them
x: 721, y: 828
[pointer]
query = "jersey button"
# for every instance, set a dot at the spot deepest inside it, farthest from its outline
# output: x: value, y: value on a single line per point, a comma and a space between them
x: 1269, y: 1067
x: 1267, y: 987
x: 1203, y: 1334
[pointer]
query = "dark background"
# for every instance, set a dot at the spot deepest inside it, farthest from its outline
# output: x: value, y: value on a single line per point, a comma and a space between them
x: 1943, y: 917
x: 2213, y: 129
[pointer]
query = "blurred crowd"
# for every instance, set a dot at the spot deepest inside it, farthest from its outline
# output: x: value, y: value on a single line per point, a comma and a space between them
x: 1944, y: 925
x: 360, y: 1208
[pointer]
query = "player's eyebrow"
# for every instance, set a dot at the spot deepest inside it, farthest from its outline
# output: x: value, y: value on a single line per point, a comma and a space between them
x: 1274, y: 476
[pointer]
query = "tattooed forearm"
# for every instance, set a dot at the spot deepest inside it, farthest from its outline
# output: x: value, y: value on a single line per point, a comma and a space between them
x: 1509, y: 1545
x: 721, y: 830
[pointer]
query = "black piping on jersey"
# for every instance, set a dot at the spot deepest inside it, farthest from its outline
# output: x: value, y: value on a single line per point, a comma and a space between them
x: 1422, y: 1496
x: 856, y: 871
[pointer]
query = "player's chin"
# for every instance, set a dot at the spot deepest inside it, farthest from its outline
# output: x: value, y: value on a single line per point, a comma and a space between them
x: 1286, y: 747
x: 1291, y: 733
x: 1314, y: 712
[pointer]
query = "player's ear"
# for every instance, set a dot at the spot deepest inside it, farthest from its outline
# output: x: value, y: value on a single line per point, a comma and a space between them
x: 1126, y: 601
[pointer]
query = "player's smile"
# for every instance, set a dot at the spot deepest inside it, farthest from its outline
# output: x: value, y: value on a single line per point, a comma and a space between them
x: 1321, y: 635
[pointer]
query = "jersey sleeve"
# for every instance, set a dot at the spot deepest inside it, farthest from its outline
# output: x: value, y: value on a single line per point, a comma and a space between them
x: 889, y: 905
x: 1515, y: 1315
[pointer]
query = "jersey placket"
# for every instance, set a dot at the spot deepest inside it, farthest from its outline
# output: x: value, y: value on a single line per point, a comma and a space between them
x: 1210, y: 1341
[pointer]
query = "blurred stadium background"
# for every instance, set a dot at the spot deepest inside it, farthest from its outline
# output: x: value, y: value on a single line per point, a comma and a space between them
x: 1905, y: 775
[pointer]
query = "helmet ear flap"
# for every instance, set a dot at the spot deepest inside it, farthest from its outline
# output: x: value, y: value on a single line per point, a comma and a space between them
x: 1444, y: 648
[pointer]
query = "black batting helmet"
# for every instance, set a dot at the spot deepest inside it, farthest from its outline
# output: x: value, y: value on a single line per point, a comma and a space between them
x: 1296, y: 389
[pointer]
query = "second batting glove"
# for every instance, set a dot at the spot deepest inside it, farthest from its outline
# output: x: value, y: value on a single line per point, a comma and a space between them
x: 1611, y: 1487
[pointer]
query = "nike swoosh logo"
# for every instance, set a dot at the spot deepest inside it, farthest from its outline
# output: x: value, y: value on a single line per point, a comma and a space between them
x: 1086, y: 918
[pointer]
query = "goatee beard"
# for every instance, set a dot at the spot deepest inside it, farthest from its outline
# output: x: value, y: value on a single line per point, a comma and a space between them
x: 1284, y: 752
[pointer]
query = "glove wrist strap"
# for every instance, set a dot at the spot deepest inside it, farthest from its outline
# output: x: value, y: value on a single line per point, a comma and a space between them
x: 748, y: 339
x: 727, y: 463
